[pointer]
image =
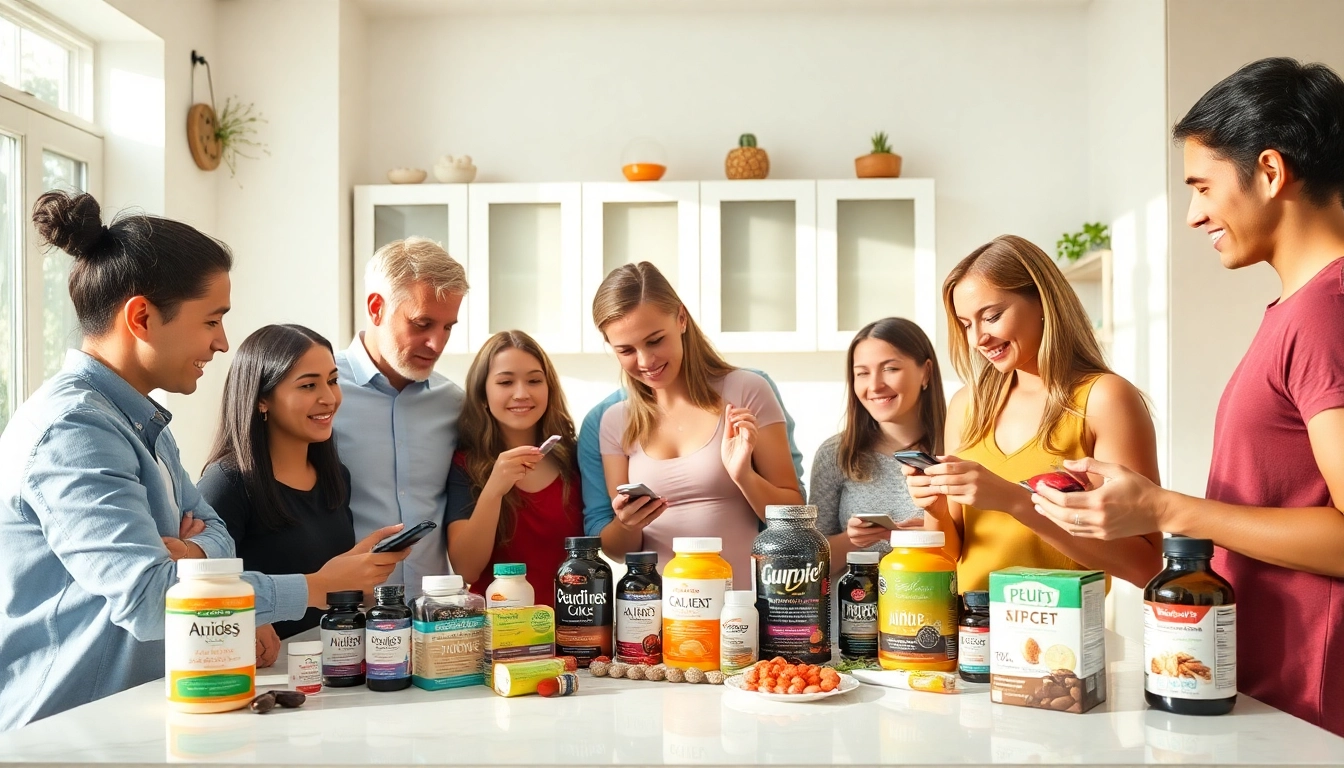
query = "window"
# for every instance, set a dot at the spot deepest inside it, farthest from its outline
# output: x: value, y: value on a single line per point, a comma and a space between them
x: 52, y: 64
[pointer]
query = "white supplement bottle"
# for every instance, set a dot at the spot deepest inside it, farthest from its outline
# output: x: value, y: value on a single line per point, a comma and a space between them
x: 305, y: 666
x: 210, y: 634
x: 738, y: 647
x: 510, y: 589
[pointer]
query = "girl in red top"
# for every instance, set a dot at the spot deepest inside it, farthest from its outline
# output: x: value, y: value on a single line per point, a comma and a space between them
x: 507, y: 502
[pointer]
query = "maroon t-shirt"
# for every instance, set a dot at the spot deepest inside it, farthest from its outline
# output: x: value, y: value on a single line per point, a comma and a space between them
x: 1290, y: 639
x: 543, y: 521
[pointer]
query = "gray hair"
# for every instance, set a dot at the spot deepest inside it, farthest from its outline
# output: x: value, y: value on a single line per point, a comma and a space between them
x: 402, y: 263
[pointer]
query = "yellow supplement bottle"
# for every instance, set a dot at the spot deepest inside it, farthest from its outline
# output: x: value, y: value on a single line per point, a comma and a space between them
x: 917, y: 604
x: 694, y: 584
x: 210, y: 634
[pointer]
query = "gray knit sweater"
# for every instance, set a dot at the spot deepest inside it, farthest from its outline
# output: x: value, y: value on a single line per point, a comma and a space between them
x: 837, y: 498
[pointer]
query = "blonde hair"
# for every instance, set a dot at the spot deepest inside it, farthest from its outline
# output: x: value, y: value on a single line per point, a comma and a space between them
x: 1069, y: 352
x: 400, y: 264
x: 626, y: 288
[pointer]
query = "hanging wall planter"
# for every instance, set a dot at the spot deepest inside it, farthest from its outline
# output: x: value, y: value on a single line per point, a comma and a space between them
x: 224, y: 136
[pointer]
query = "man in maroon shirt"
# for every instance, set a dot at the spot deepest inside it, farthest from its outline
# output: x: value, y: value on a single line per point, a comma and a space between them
x: 1264, y: 156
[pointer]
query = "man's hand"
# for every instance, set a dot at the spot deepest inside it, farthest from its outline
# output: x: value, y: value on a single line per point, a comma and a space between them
x: 1125, y: 504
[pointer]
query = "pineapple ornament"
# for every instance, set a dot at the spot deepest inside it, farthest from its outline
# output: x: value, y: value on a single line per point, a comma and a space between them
x: 747, y: 161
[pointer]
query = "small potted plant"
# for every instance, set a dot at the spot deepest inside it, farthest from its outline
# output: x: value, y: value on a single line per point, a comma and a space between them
x: 236, y: 131
x: 1073, y: 245
x: 881, y: 163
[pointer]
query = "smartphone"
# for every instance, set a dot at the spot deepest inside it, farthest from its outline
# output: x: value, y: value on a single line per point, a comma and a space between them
x: 917, y: 459
x: 877, y: 518
x: 546, y: 447
x: 406, y: 538
x: 636, y: 490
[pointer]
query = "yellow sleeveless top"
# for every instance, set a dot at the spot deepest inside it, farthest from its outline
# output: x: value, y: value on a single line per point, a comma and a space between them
x: 993, y: 540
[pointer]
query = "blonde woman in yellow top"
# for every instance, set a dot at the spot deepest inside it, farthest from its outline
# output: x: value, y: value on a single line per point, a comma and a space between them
x: 1038, y: 392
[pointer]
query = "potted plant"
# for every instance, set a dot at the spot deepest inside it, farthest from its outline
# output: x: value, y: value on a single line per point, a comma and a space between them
x: 881, y: 163
x: 236, y: 130
x: 1093, y: 236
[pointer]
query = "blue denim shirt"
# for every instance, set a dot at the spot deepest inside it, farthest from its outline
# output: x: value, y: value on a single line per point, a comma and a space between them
x: 84, y: 506
x: 597, y: 510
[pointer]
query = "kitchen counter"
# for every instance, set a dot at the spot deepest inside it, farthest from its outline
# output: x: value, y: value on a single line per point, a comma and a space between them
x: 624, y: 722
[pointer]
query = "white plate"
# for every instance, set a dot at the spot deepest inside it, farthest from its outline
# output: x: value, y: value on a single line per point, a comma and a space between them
x: 847, y: 684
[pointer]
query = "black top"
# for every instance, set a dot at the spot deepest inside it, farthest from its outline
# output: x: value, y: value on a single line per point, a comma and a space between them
x: 318, y: 535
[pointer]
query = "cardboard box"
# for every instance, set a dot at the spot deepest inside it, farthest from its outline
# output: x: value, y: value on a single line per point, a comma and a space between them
x: 1047, y: 638
x: 518, y: 634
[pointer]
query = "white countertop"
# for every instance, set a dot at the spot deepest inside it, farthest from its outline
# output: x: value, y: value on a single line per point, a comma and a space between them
x: 622, y: 722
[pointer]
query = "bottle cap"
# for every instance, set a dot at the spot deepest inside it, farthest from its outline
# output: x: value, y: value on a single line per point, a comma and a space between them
x: 345, y: 597
x: 641, y: 558
x: 1181, y: 546
x: 917, y: 539
x: 583, y: 542
x: 449, y: 583
x: 305, y: 648
x: 739, y: 597
x: 697, y: 544
x: 976, y: 599
x: 389, y: 593
x: 790, y: 512
x: 202, y: 568
x: 863, y: 558
x: 510, y: 569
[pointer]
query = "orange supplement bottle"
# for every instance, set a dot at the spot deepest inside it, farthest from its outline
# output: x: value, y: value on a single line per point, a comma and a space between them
x: 694, y: 584
x: 917, y: 604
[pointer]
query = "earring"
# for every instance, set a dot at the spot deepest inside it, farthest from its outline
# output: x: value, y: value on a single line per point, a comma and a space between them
x: 923, y: 386
x: 263, y: 415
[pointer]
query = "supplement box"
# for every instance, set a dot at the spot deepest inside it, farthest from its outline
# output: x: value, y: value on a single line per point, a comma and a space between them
x: 517, y: 634
x: 1048, y: 647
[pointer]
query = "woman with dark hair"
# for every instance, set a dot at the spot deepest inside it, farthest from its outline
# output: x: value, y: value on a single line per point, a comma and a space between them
x: 95, y: 507
x: 508, y: 502
x: 894, y: 403
x: 273, y: 474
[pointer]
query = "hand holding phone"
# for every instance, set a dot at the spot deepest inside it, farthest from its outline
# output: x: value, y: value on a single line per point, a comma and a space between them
x: 877, y: 518
x: 406, y: 538
x: 919, y: 460
x: 637, y: 490
x: 550, y: 443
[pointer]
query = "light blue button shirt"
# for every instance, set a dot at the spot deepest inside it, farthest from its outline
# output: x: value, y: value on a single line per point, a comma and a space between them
x: 398, y: 447
x: 91, y: 483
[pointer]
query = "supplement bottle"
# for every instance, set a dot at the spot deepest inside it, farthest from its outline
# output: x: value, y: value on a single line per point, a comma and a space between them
x: 917, y: 604
x: 210, y: 634
x: 342, y: 628
x: 447, y: 635
x: 584, y: 595
x: 510, y: 588
x: 738, y: 627
x: 792, y: 561
x: 858, y: 607
x: 1189, y: 633
x: 304, y: 660
x: 639, y: 611
x: 694, y: 583
x: 387, y: 636
x: 973, y: 638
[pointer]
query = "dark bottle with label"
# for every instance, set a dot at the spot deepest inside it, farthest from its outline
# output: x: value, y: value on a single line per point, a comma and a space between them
x: 857, y: 591
x: 342, y: 629
x: 387, y: 636
x: 792, y: 564
x: 973, y: 638
x: 583, y: 602
x: 639, y: 611
x: 1189, y: 633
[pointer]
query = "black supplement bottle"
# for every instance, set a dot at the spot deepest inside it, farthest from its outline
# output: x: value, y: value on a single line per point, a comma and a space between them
x: 584, y: 597
x: 387, y: 635
x: 973, y: 638
x: 342, y: 629
x: 857, y: 591
x: 639, y: 611
x: 1189, y: 633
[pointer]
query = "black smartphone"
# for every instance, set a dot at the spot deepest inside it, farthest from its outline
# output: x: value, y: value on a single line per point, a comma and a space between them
x: 406, y: 538
x: 636, y: 490
x: 917, y: 459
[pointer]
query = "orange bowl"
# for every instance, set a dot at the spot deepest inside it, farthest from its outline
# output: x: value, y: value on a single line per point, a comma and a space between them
x: 643, y: 171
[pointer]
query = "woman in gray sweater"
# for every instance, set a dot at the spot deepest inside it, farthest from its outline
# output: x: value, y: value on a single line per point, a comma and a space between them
x: 895, y: 403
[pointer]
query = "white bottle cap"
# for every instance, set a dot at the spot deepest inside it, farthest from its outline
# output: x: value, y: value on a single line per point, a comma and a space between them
x: 863, y: 558
x: 739, y: 597
x: 917, y: 539
x: 697, y: 544
x: 307, y: 648
x: 450, y: 583
x: 204, y: 568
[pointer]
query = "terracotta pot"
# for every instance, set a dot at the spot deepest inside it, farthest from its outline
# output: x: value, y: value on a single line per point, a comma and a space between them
x: 885, y: 165
x: 643, y: 171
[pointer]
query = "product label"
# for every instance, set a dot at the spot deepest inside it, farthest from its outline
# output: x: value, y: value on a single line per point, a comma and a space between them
x: 858, y: 624
x: 737, y: 645
x: 917, y: 616
x: 449, y: 653
x: 583, y: 616
x: 305, y: 673
x: 211, y: 650
x: 389, y: 651
x: 973, y: 650
x: 342, y: 652
x: 691, y: 610
x: 639, y: 628
x: 512, y: 634
x: 793, y: 598
x: 1190, y: 652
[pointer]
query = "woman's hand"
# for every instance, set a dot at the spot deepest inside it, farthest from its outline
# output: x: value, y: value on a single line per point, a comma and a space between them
x: 863, y: 535
x: 510, y: 467
x: 966, y: 483
x: 636, y: 513
x: 268, y: 646
x: 739, y: 441
x: 357, y: 569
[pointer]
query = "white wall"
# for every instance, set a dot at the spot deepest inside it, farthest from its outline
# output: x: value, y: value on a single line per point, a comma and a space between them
x: 354, y: 137
x: 1215, y: 312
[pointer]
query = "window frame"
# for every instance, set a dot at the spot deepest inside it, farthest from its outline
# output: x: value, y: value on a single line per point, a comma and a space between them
x: 81, y: 61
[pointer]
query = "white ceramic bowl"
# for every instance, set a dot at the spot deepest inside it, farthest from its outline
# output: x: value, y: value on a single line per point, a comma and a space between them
x: 406, y: 175
x: 455, y: 175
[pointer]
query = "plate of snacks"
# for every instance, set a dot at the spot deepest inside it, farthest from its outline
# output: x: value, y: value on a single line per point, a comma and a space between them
x: 778, y: 680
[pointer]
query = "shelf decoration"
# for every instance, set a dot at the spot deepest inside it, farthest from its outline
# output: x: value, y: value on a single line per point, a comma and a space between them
x: 1093, y: 237
x: 748, y: 161
x: 223, y: 136
x: 455, y: 170
x: 643, y: 159
x: 881, y: 163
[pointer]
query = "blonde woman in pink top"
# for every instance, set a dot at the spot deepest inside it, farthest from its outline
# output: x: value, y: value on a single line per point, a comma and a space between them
x: 708, y: 438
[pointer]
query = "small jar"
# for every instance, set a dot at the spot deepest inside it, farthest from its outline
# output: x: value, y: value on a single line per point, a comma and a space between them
x: 342, y: 628
x: 973, y: 638
x: 738, y: 641
x: 305, y: 666
x: 858, y: 607
x: 510, y: 589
